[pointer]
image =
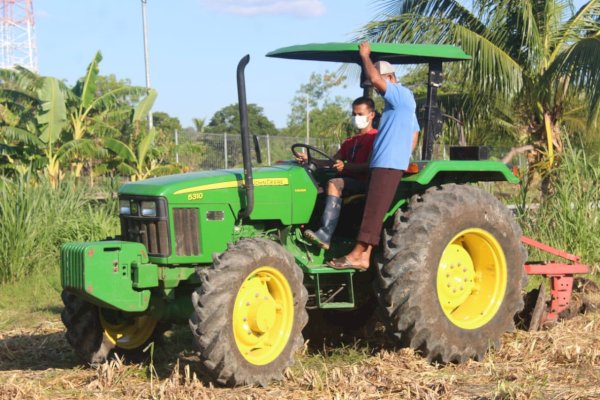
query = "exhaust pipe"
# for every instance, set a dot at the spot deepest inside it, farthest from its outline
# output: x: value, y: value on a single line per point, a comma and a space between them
x: 243, y: 106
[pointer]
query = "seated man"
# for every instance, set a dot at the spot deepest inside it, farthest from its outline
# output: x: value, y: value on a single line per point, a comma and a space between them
x: 352, y: 163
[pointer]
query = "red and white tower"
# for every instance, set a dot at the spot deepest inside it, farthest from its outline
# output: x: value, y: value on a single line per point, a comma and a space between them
x: 17, y: 35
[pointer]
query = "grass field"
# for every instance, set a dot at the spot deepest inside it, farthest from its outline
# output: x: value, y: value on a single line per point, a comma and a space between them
x: 37, y: 363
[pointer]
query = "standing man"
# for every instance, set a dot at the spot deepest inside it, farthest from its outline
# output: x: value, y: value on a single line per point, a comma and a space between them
x: 352, y: 163
x: 398, y: 131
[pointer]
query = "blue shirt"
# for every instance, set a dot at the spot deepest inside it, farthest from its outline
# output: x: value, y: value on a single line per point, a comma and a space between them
x: 393, y: 144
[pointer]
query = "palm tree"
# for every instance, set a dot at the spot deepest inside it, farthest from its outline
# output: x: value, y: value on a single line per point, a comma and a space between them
x: 540, y: 57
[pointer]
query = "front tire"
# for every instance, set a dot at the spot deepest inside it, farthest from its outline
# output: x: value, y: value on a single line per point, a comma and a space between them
x: 98, y: 334
x: 249, y: 313
x: 450, y: 284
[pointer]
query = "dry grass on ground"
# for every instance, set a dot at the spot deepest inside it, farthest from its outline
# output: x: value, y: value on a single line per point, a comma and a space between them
x: 562, y: 363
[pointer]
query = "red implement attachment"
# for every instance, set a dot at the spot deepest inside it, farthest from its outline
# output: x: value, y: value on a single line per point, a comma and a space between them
x: 561, y: 282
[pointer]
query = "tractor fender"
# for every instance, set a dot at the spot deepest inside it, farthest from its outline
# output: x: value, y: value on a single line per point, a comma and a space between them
x: 453, y: 171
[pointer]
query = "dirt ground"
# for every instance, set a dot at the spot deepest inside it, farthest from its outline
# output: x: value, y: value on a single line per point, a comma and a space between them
x: 560, y: 363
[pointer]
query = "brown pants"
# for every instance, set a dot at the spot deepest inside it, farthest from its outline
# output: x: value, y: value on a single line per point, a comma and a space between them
x: 382, y: 188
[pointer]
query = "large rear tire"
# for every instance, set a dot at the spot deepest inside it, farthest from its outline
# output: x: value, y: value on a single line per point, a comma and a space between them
x: 450, y: 284
x: 97, y: 334
x: 249, y: 313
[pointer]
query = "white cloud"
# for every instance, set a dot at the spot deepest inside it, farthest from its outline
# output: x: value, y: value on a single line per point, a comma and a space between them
x: 301, y: 8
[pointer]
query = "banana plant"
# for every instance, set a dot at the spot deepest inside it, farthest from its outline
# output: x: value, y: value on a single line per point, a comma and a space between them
x: 87, y: 108
x: 52, y: 121
x: 137, y: 161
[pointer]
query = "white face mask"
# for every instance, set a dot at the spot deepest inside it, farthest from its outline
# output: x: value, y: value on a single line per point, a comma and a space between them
x: 360, y: 121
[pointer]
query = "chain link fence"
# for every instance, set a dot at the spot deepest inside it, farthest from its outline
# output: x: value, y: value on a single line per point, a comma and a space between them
x: 215, y: 151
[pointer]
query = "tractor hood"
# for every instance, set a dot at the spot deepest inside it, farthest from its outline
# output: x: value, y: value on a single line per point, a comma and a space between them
x: 283, y: 192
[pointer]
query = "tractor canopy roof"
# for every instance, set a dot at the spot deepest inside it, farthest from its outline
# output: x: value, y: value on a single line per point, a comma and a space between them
x: 394, y: 53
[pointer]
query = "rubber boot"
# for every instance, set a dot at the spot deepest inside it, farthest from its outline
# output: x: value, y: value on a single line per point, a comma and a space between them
x: 329, y: 220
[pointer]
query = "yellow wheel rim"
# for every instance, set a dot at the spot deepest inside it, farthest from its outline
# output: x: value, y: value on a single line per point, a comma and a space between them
x: 128, y: 334
x: 471, y: 278
x: 263, y: 315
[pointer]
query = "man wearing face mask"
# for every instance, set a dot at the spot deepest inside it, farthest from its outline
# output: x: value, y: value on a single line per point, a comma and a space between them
x: 397, y: 138
x: 352, y: 164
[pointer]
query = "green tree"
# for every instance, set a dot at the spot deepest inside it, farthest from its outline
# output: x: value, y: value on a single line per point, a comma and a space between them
x: 538, y: 58
x: 227, y: 120
x: 195, y: 148
x: 327, y: 116
x: 199, y: 124
x: 164, y: 142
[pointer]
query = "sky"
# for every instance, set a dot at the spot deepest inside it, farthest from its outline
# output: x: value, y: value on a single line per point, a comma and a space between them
x: 194, y: 47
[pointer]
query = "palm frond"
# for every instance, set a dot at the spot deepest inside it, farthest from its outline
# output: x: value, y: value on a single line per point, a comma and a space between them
x: 585, y: 21
x: 440, y: 9
x: 492, y: 69
x: 21, y: 78
x: 580, y: 63
x: 14, y: 134
x: 18, y: 95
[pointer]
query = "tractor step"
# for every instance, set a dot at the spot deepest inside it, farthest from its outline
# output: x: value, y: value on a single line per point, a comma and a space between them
x: 333, y: 288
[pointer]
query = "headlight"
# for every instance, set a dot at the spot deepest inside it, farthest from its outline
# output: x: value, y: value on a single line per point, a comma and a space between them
x: 148, y: 209
x: 124, y: 207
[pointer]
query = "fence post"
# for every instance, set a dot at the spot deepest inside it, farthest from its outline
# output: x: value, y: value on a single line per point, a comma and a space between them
x: 268, y: 150
x: 225, y: 148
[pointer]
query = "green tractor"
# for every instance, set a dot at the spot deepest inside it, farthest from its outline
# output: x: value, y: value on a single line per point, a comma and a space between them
x: 224, y: 250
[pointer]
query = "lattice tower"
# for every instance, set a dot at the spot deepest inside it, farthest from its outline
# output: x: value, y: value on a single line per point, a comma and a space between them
x: 17, y: 35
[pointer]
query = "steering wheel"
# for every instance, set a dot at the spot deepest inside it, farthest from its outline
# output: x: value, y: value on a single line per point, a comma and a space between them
x: 310, y: 161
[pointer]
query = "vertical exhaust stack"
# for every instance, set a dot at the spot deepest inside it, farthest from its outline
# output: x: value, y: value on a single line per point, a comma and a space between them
x: 243, y: 107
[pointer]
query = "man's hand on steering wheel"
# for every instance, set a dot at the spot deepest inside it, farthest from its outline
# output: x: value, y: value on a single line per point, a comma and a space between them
x: 307, y: 158
x: 301, y: 157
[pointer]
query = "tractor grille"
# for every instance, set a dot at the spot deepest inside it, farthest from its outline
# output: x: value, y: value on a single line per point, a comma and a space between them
x: 151, y: 231
x: 72, y: 256
x: 187, y: 232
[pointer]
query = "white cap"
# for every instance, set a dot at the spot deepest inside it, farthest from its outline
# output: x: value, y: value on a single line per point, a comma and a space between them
x: 384, y: 67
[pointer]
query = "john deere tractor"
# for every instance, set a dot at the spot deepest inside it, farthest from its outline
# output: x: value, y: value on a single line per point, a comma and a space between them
x: 224, y: 251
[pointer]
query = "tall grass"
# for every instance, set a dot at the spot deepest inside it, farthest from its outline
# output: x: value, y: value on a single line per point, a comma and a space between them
x: 569, y: 217
x: 36, y: 219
